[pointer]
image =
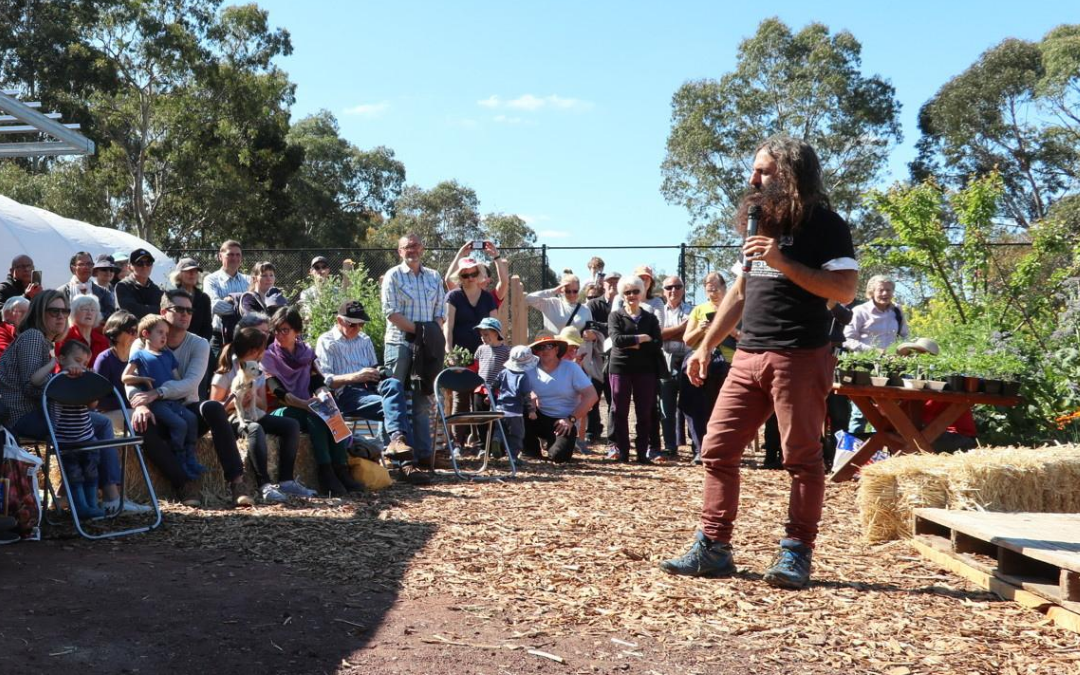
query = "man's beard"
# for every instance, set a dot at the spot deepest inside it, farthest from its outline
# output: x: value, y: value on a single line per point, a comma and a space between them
x: 774, y: 201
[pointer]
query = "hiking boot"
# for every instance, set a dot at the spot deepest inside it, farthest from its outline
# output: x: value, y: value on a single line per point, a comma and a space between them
x: 344, y: 476
x: 397, y: 449
x: 240, y: 497
x: 791, y: 569
x: 329, y: 483
x: 410, y: 474
x: 271, y: 493
x: 705, y: 558
x: 189, y: 495
x: 294, y: 488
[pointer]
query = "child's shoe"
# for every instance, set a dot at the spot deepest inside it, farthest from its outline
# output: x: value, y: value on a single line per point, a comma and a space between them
x: 88, y: 502
x: 192, y: 465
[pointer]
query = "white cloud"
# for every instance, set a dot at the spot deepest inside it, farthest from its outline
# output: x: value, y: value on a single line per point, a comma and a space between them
x: 553, y: 234
x: 368, y: 109
x: 531, y: 103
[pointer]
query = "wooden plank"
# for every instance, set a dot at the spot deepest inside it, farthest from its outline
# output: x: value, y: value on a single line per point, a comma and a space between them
x: 904, y: 425
x: 1052, y: 538
x: 870, y: 411
x: 939, y: 424
x: 1061, y: 616
x: 903, y: 393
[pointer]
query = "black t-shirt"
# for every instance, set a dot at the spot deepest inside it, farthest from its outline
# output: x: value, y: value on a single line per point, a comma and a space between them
x: 778, y: 313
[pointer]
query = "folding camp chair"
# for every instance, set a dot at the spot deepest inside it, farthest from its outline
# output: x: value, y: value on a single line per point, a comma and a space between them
x: 465, y: 381
x: 82, y: 390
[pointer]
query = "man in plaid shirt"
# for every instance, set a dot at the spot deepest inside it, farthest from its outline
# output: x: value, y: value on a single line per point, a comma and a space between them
x: 412, y: 294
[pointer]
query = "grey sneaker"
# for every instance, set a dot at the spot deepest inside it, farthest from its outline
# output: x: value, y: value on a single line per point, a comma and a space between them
x: 295, y: 488
x: 705, y: 558
x: 271, y: 493
x: 791, y: 569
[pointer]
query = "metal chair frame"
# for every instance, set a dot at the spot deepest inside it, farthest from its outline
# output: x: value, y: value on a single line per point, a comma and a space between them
x: 465, y: 381
x: 130, y: 439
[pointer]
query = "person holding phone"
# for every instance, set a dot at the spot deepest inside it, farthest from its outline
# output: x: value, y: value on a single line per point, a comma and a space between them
x: 22, y: 280
x: 467, y: 250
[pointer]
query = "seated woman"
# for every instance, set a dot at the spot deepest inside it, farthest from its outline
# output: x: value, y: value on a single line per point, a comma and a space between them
x: 294, y: 378
x: 121, y: 330
x: 25, y: 368
x: 85, y: 317
x: 262, y: 295
x: 250, y: 345
x: 13, y: 313
x: 564, y: 394
x: 634, y: 366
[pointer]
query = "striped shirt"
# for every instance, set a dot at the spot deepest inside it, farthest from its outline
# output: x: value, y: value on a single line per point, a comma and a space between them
x: 337, y: 355
x: 71, y: 422
x: 418, y: 297
x: 491, y: 359
x: 219, y: 285
x: 671, y: 317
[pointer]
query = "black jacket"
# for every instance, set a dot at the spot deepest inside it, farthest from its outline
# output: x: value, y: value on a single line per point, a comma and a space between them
x: 137, y: 299
x: 105, y: 298
x: 10, y: 288
x: 422, y: 358
x: 623, y: 331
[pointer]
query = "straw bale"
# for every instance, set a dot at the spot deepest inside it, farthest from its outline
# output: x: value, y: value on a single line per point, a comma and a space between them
x: 1037, y: 480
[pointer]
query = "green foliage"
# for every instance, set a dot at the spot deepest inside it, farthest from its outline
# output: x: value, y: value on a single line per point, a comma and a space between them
x: 320, y: 314
x: 808, y: 85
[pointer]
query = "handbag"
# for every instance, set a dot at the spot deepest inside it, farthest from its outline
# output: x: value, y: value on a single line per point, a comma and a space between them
x: 19, y: 493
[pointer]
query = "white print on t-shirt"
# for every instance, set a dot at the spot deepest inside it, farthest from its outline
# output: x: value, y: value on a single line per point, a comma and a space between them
x: 761, y: 269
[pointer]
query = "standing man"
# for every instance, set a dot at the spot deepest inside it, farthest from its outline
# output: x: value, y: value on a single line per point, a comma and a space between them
x: 81, y: 283
x: 220, y: 286
x: 673, y: 319
x: 137, y: 293
x: 20, y: 280
x: 601, y: 308
x: 801, y: 258
x: 412, y: 294
x: 319, y: 272
x: 347, y: 360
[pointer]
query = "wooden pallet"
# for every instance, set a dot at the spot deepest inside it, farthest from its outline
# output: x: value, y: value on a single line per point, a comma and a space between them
x: 1030, y: 558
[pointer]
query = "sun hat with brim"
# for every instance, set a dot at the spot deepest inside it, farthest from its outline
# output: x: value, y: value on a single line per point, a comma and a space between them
x: 521, y: 359
x: 490, y: 323
x: 553, y: 340
x: 187, y: 264
x: 644, y: 270
x: 921, y: 346
x: 120, y: 257
x: 467, y: 263
x: 571, y: 335
x: 105, y: 262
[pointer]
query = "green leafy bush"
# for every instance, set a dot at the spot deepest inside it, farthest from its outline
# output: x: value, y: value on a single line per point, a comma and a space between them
x: 320, y: 314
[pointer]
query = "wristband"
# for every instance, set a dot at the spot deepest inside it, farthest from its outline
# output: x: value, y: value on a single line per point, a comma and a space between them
x: 497, y: 257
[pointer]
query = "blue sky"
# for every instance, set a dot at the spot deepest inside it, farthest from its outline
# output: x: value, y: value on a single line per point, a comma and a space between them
x: 559, y: 111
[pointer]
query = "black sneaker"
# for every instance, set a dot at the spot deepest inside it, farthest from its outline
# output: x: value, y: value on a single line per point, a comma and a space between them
x: 791, y: 569
x: 705, y: 558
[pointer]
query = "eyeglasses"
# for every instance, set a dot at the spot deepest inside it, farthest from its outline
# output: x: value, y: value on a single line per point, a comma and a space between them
x: 58, y: 311
x: 673, y: 287
x: 631, y: 291
x: 282, y: 330
x: 469, y: 276
x: 143, y: 263
x: 180, y: 310
x: 320, y: 267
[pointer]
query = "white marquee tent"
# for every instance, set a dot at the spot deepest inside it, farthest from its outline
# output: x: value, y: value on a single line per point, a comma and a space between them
x: 50, y: 240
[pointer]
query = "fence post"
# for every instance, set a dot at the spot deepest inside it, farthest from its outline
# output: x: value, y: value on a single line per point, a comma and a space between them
x: 682, y: 262
x: 543, y: 266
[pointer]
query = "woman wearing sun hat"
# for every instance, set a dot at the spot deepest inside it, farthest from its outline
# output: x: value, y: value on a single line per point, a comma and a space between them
x: 466, y: 306
x: 564, y: 394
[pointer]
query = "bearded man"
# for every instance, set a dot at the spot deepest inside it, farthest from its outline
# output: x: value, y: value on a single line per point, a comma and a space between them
x: 801, y: 257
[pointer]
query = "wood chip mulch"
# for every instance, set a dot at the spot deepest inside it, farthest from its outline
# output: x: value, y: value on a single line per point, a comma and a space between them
x: 573, y: 550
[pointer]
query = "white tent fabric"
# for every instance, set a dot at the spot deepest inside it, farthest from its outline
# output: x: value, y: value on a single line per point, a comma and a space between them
x: 50, y: 240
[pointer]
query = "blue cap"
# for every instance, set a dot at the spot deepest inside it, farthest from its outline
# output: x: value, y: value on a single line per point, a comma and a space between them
x: 489, y: 323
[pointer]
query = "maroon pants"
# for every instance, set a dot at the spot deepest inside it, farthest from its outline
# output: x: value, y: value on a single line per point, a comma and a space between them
x: 794, y: 383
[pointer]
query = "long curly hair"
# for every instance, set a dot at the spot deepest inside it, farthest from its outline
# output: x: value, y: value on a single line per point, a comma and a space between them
x: 799, y: 175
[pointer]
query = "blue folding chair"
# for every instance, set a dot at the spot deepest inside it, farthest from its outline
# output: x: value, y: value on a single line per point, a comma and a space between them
x: 83, y: 390
x: 465, y: 381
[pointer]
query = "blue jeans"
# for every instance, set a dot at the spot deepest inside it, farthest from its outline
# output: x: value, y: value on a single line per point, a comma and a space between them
x: 671, y: 417
x: 179, y: 423
x: 387, y: 403
x: 32, y: 425
x: 420, y: 439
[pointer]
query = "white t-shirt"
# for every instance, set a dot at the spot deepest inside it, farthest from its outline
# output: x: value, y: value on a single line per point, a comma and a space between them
x: 559, y: 392
x: 225, y: 380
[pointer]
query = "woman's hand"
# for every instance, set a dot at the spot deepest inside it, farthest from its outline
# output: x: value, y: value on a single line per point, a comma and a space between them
x: 141, y: 417
x: 490, y: 249
x: 465, y: 248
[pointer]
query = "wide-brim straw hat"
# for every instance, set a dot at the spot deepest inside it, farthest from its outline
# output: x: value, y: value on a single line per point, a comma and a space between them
x: 571, y: 335
x: 921, y: 345
x: 560, y: 342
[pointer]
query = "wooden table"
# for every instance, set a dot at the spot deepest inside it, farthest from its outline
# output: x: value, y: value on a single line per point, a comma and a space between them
x: 897, y: 416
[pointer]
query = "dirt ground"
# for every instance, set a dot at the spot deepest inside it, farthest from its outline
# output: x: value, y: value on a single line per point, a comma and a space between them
x: 552, y: 573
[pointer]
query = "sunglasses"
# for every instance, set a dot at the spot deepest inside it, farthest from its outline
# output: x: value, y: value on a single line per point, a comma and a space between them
x: 58, y: 311
x: 320, y: 267
x: 673, y: 287
x: 631, y: 291
x: 550, y: 345
x: 144, y: 263
x: 180, y: 310
x: 469, y: 276
x: 571, y: 291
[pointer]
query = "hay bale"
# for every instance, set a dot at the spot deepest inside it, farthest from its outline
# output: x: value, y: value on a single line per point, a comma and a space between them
x: 1036, y: 480
x: 212, y: 487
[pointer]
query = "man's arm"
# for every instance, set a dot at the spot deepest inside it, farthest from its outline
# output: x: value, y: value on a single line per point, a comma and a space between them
x: 219, y: 297
x: 188, y: 384
x: 674, y: 333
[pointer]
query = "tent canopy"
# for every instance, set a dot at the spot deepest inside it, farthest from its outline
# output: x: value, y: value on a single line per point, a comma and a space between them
x: 50, y: 240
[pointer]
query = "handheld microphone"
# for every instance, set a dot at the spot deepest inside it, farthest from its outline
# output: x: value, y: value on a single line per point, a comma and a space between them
x: 752, y: 216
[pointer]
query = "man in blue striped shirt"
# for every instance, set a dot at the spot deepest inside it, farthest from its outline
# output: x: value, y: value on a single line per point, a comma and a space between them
x: 219, y: 285
x: 411, y: 294
x: 348, y: 363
